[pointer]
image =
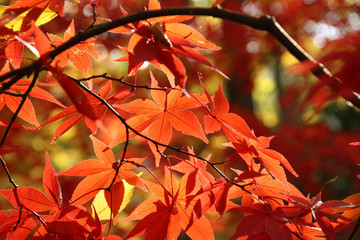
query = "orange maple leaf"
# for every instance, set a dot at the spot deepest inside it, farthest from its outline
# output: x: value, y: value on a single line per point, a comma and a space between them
x: 78, y: 54
x: 196, y: 169
x: 101, y: 173
x: 242, y: 138
x: 13, y: 49
x: 168, y: 110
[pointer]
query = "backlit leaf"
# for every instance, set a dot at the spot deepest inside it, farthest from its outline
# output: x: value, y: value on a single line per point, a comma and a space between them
x: 50, y: 183
x: 31, y: 198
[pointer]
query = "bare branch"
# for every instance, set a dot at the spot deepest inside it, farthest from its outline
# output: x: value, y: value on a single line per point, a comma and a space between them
x: 263, y: 23
x: 120, y: 80
x: 355, y: 229
x: 8, y: 173
x: 127, y: 126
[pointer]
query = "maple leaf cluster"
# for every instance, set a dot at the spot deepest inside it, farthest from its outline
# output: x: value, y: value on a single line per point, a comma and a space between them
x: 186, y: 189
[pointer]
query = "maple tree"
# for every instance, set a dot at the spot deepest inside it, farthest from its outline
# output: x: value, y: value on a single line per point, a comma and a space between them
x: 170, y: 145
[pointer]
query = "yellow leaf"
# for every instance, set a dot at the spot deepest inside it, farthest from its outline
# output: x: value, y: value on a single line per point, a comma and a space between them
x: 46, y: 16
x: 2, y: 9
x: 101, y: 206
x: 16, y: 23
x: 129, y: 190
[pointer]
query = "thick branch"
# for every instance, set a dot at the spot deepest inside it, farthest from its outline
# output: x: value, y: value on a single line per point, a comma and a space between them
x: 264, y: 23
x: 101, y: 28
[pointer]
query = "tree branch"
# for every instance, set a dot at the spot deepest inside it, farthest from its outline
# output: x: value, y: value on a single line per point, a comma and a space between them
x: 263, y: 23
x: 8, y: 173
x: 127, y: 126
x: 24, y: 97
x: 120, y: 80
x: 355, y: 229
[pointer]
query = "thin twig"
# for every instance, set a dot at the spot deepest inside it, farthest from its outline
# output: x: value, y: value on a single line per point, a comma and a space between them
x: 8, y: 173
x: 13, y: 94
x: 133, y: 86
x: 127, y: 142
x: 354, y: 230
x: 127, y: 126
x: 24, y: 97
x: 94, y: 16
x: 39, y: 218
x: 19, y: 218
x: 147, y: 169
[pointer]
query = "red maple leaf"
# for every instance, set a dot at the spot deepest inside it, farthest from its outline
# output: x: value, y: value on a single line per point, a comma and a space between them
x: 159, y: 40
x: 97, y: 107
x: 34, y: 200
x: 319, y: 210
x: 260, y: 218
x: 269, y: 189
x: 249, y: 150
x: 215, y: 194
x: 342, y: 61
x: 27, y: 112
x: 219, y: 116
x: 241, y: 137
x: 22, y: 218
x: 62, y: 220
x: 164, y: 216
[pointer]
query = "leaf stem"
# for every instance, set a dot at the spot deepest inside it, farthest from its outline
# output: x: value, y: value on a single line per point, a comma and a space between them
x: 147, y: 169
